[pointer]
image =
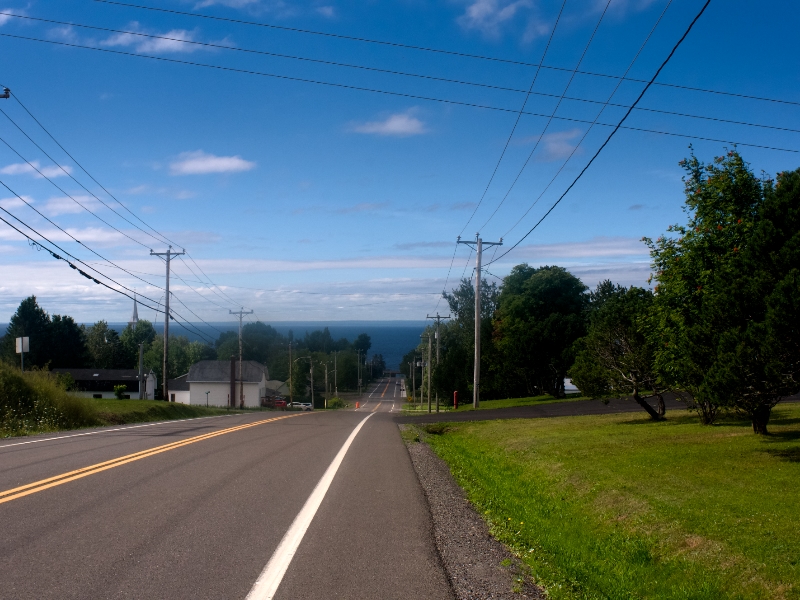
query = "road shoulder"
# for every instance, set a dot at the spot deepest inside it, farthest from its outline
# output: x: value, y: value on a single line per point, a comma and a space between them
x: 477, y: 565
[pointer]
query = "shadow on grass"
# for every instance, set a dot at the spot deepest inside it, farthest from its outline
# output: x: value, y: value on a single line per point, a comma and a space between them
x: 789, y: 454
x: 667, y: 420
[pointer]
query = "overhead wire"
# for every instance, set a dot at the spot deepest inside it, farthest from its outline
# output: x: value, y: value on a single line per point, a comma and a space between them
x: 434, y: 50
x: 529, y: 92
x: 553, y: 113
x: 585, y: 134
x: 68, y: 174
x: 516, y: 121
x: 611, y: 135
x: 84, y: 187
x: 378, y: 91
x: 164, y: 239
x: 54, y: 224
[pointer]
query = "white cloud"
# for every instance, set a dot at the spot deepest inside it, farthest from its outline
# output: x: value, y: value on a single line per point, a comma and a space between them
x: 228, y: 3
x: 139, y: 43
x: 488, y: 16
x: 200, y: 163
x: 68, y: 206
x: 26, y: 169
x: 14, y: 202
x: 326, y: 11
x: 5, y: 18
x: 558, y: 146
x: 600, y: 247
x: 399, y: 125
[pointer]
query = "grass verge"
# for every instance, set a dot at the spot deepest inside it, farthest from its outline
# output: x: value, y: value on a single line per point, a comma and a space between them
x: 617, y: 506
x: 415, y: 408
x: 119, y: 412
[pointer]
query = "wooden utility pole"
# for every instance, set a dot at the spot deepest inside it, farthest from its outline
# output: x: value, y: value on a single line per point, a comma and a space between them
x: 438, y: 319
x: 165, y: 370
x: 476, y: 380
x: 241, y: 314
x: 430, y: 363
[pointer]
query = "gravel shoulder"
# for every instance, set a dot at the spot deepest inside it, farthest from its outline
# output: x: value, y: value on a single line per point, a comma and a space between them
x: 477, y: 565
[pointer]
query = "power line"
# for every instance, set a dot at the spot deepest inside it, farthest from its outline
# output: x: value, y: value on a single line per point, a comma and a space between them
x: 552, y: 114
x: 438, y: 51
x: 585, y: 134
x: 163, y: 239
x: 516, y: 121
x: 66, y: 172
x: 385, y: 92
x: 54, y: 224
x: 528, y: 92
x: 608, y: 139
x: 84, y: 187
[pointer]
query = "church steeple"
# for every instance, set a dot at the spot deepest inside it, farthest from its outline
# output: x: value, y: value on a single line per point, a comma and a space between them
x: 135, y: 317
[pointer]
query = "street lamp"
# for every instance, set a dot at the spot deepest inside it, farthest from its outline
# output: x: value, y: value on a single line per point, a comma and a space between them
x: 207, y: 393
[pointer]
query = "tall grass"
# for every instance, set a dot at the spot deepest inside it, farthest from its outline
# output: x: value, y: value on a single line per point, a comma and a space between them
x: 37, y: 401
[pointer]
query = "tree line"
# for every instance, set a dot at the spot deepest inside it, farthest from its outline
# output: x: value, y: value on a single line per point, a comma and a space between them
x: 57, y: 341
x: 720, y: 328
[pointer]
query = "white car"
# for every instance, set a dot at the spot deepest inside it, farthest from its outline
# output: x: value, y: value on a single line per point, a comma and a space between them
x: 304, y: 405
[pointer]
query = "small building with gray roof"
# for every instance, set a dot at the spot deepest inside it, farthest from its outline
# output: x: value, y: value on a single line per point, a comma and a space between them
x: 210, y: 381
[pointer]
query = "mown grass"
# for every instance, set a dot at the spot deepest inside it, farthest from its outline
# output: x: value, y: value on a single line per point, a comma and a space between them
x: 617, y: 506
x: 412, y: 408
x: 111, y: 411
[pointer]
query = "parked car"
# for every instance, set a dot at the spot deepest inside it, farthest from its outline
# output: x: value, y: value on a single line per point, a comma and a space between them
x: 306, y: 405
x: 279, y: 404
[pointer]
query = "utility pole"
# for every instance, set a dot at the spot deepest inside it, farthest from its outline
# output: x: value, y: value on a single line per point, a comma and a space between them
x: 358, y: 372
x: 164, y: 372
x: 327, y: 393
x: 142, y: 383
x: 430, y: 364
x: 335, y: 375
x: 291, y: 394
x: 311, y: 362
x: 241, y: 314
x: 414, y: 379
x: 438, y: 319
x: 479, y: 244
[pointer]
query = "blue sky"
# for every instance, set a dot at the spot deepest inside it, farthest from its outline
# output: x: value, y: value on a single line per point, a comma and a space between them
x: 311, y: 202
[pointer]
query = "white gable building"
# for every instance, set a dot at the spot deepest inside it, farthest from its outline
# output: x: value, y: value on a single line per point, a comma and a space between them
x: 214, y: 377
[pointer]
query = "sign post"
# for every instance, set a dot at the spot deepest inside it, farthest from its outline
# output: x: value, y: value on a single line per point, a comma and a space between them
x: 23, y: 346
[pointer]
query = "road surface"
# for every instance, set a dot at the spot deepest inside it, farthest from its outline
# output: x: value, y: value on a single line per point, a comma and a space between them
x: 206, y: 508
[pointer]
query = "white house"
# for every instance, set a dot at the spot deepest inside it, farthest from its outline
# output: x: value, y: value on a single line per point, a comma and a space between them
x: 214, y: 377
x: 179, y: 389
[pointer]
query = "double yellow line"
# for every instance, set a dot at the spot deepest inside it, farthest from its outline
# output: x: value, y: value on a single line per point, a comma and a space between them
x: 38, y: 486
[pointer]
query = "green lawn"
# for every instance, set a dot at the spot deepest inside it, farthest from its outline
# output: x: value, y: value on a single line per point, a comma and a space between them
x: 617, y: 506
x: 411, y: 408
x: 116, y: 412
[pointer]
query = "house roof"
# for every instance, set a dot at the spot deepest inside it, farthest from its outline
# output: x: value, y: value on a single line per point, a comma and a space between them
x: 219, y: 371
x: 179, y: 384
x: 101, y: 374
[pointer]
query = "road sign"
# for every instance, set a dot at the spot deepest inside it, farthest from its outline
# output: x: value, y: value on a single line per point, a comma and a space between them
x: 23, y: 345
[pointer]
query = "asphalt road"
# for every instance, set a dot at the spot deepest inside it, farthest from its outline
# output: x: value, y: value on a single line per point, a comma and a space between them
x: 202, y: 518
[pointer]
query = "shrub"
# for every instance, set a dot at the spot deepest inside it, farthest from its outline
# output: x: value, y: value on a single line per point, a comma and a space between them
x: 37, y: 401
x: 119, y: 391
x: 336, y: 403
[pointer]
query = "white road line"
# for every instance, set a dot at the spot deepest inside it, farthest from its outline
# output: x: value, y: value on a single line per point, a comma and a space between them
x: 267, y: 583
x: 64, y: 437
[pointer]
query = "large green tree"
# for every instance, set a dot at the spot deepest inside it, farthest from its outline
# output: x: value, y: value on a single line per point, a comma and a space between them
x: 105, y: 349
x: 540, y: 314
x: 616, y: 358
x: 142, y: 333
x: 726, y: 300
x: 67, y: 348
x: 30, y: 320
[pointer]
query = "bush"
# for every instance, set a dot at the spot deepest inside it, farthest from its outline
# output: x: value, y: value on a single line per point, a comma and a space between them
x: 336, y: 403
x: 37, y: 401
x: 119, y: 391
